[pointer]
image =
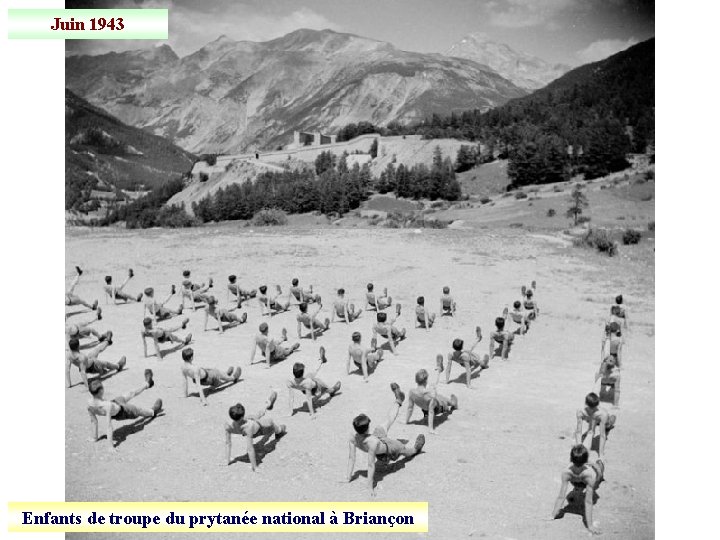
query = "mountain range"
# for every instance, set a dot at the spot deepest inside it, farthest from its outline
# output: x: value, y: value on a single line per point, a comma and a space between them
x: 233, y: 96
x: 524, y: 70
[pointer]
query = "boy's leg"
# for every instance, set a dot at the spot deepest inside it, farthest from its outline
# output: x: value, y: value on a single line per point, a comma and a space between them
x: 95, y: 351
x: 105, y: 365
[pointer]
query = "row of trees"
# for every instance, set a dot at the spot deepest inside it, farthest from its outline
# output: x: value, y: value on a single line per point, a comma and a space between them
x: 420, y: 181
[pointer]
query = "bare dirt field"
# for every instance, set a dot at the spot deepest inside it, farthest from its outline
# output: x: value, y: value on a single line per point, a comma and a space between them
x: 492, y: 470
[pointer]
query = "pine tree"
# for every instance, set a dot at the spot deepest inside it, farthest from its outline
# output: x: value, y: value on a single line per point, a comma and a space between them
x: 578, y: 201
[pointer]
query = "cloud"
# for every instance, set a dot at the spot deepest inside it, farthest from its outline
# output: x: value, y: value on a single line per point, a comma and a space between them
x: 525, y: 13
x: 194, y: 24
x: 598, y: 50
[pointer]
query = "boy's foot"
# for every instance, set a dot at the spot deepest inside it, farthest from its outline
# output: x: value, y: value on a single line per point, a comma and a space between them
x: 99, y: 314
x: 478, y: 333
x: 271, y: 400
x: 373, y: 343
x: 149, y: 378
x: 180, y: 309
x: 282, y: 430
x: 419, y: 443
x: 185, y: 322
x: 236, y: 373
x: 505, y: 312
x: 131, y: 273
x: 398, y: 308
x: 78, y: 270
x: 210, y: 283
x: 439, y: 363
x: 188, y: 339
x: 523, y: 289
x: 139, y: 297
x: 323, y: 358
x: 243, y: 318
x: 157, y: 406
x: 335, y: 389
x: 108, y: 337
x: 399, y: 394
x: 318, y: 300
x: 172, y: 289
x: 121, y: 363
x: 95, y: 305
x: 533, y: 284
x: 284, y: 334
x: 327, y: 323
x: 295, y: 347
x: 402, y: 333
x: 453, y: 401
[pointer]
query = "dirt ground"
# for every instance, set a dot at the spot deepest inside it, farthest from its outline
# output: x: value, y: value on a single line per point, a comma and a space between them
x: 492, y: 470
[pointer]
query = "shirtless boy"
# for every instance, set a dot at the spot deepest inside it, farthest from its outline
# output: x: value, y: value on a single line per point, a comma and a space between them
x: 162, y: 335
x: 531, y: 306
x: 377, y: 303
x: 618, y: 312
x: 612, y: 342
x: 303, y: 295
x: 239, y: 293
x: 221, y: 315
x: 118, y: 408
x: 272, y: 305
x: 378, y: 445
x: 158, y: 311
x: 500, y: 338
x: 194, y: 292
x: 116, y: 293
x: 429, y: 401
x: 271, y: 349
x: 251, y: 426
x: 201, y: 377
x: 447, y: 303
x: 343, y: 309
x: 596, y: 417
x: 311, y: 322
x: 609, y: 375
x: 83, y: 330
x: 71, y: 299
x: 388, y: 330
x: 518, y: 317
x: 468, y: 359
x: 584, y: 478
x: 311, y: 386
x: 424, y: 319
x: 364, y: 359
x: 89, y: 362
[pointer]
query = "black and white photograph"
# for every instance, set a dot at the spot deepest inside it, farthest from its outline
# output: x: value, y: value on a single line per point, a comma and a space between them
x: 335, y: 250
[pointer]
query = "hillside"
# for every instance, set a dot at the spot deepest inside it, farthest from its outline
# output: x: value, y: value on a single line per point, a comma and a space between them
x: 233, y: 96
x: 524, y: 70
x: 104, y: 154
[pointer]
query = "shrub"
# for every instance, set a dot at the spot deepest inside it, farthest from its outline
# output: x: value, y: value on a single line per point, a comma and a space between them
x: 516, y: 225
x: 631, y: 236
x: 599, y: 239
x: 583, y: 219
x: 485, y: 200
x: 204, y: 177
x: 650, y: 175
x: 651, y: 226
x: 210, y: 159
x: 551, y: 212
x: 269, y: 217
x: 521, y: 195
x: 557, y: 189
x: 175, y: 217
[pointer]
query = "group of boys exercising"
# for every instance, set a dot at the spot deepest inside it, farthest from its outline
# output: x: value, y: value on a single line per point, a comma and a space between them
x: 376, y: 443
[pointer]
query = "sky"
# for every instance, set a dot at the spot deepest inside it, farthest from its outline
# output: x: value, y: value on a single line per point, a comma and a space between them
x: 572, y: 32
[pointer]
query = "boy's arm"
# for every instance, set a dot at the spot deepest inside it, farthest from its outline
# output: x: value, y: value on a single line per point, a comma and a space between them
x: 109, y: 430
x: 299, y: 329
x: 309, y: 400
x: 74, y: 284
x: 83, y: 374
x: 251, y: 451
x: 349, y: 361
x: 431, y: 415
x: 267, y: 352
x: 589, y: 494
x: 603, y: 436
x: 506, y: 345
x: 448, y: 368
x: 578, y: 429
x: 363, y: 364
x: 351, y: 459
x: 142, y: 336
x: 410, y: 408
x: 427, y: 321
x: 561, y: 496
x: 205, y: 319
x: 312, y: 326
x: 371, y: 471
x: 252, y: 352
x: 157, y: 348
x: 228, y: 445
x: 291, y: 408
x: 122, y: 286
x: 93, y: 426
x: 67, y: 372
x: 201, y: 392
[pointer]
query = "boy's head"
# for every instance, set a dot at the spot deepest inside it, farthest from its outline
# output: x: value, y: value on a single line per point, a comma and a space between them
x: 73, y: 330
x: 263, y: 289
x: 499, y: 323
x: 149, y: 291
x: 618, y: 299
x: 147, y: 322
x: 457, y: 344
x: 186, y: 283
x: 108, y: 279
x: 421, y: 377
x: 96, y: 387
x: 356, y: 336
x: 74, y: 344
x: 263, y: 328
x: 529, y: 293
x: 295, y: 282
x: 211, y: 300
x: 298, y: 370
x: 187, y: 354
x: 186, y: 273
x: 361, y: 424
x: 341, y: 292
x: 232, y: 278
x: 421, y: 300
x: 446, y: 290
x: 592, y: 400
x: 303, y: 307
x: 237, y: 412
x: 382, y: 317
x: 370, y: 287
x: 579, y: 455
x: 517, y: 304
